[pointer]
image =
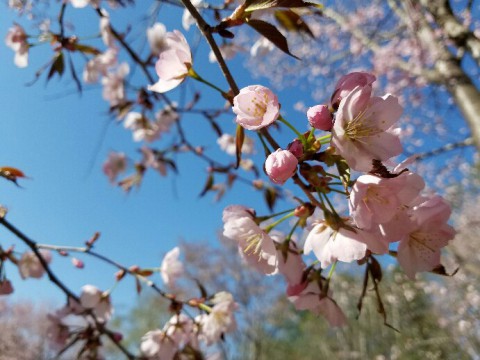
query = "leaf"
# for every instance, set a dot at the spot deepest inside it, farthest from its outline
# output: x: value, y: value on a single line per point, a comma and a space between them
x: 344, y: 172
x: 270, y: 197
x: 271, y: 33
x: 11, y: 174
x: 86, y: 49
x: 253, y: 5
x: 208, y: 185
x: 58, y: 66
x: 291, y: 21
x: 239, y: 138
x: 440, y: 270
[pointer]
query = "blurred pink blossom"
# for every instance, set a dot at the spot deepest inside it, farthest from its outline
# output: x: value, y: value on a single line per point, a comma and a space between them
x: 173, y: 64
x: 172, y: 268
x: 30, y: 266
x: 16, y: 40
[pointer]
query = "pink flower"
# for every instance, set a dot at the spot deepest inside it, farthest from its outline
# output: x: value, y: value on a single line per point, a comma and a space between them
x: 280, y: 166
x: 152, y: 160
x: 290, y: 263
x: 349, y: 82
x: 99, y: 302
x: 256, y: 107
x: 320, y: 117
x: 114, y: 165
x: 227, y: 144
x: 220, y: 320
x: 363, y: 129
x: 180, y: 329
x: 30, y: 266
x: 16, y: 40
x: 376, y: 200
x: 420, y: 249
x: 99, y: 65
x: 173, y: 64
x: 330, y: 245
x: 6, y: 287
x: 156, y: 36
x: 113, y: 85
x: 171, y: 269
x: 157, y: 345
x: 255, y: 246
x: 311, y: 298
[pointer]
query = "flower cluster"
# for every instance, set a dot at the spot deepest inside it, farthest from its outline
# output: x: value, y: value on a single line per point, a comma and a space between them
x: 388, y: 213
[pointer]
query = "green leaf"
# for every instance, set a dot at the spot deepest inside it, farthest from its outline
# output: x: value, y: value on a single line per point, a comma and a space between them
x: 344, y: 172
x: 291, y: 21
x: 272, y: 34
x: 253, y: 5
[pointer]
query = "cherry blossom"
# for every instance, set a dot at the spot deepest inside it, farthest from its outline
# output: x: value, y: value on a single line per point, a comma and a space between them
x: 113, y: 85
x: 187, y: 18
x: 173, y: 64
x: 99, y: 302
x: 99, y: 65
x: 348, y: 82
x: 16, y: 40
x: 30, y: 266
x: 330, y: 245
x: 151, y: 160
x: 156, y: 36
x: 296, y: 148
x: 280, y: 166
x: 227, y: 144
x: 420, y: 249
x: 255, y: 246
x: 256, y: 107
x: 376, y: 200
x: 363, y: 129
x: 320, y: 117
x: 171, y: 269
x: 115, y: 165
x: 220, y: 320
x: 312, y: 298
x: 156, y: 344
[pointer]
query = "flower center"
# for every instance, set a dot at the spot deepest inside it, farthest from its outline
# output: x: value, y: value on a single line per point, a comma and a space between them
x: 361, y: 127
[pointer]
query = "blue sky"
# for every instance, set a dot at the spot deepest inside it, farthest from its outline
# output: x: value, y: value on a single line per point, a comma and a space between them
x: 58, y: 138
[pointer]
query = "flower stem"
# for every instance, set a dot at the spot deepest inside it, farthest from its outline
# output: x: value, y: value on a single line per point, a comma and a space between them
x: 193, y: 74
x: 271, y: 226
x: 300, y: 136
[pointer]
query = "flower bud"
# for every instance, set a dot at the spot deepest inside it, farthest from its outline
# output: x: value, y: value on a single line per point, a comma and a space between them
x: 296, y: 148
x: 280, y: 166
x: 320, y: 117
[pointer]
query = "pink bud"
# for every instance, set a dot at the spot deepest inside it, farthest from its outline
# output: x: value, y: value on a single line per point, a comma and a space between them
x: 349, y: 82
x: 280, y: 166
x: 6, y: 287
x: 296, y: 148
x: 320, y: 117
x: 78, y: 263
x: 117, y: 337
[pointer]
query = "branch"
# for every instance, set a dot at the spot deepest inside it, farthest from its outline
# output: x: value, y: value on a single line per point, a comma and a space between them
x: 55, y: 280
